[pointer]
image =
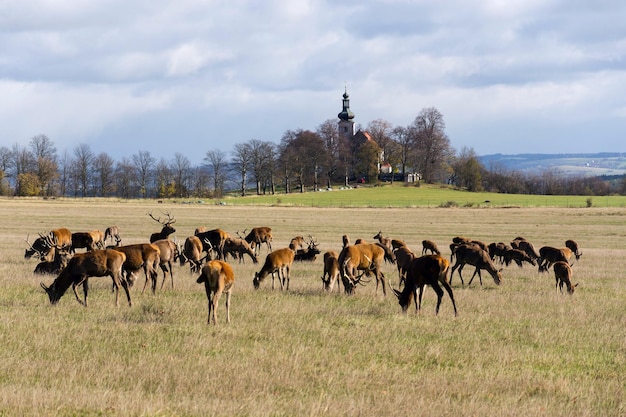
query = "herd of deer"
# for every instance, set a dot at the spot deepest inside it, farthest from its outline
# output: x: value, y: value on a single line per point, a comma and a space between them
x: 57, y: 253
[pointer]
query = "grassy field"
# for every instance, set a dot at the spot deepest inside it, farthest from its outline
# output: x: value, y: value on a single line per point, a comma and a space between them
x: 517, y: 349
x: 427, y: 195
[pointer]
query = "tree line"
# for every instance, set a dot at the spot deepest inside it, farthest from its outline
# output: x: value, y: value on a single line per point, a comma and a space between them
x: 302, y: 160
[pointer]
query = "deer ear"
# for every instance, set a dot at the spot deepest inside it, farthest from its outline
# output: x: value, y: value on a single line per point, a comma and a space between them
x: 576, y: 285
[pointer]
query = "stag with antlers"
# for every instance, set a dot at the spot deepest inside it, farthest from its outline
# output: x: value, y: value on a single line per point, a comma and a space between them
x: 167, y: 229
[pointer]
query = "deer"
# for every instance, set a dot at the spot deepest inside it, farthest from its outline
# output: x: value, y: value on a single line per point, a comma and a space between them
x: 385, y: 241
x: 83, y: 240
x: 192, y: 253
x: 297, y: 242
x: 497, y: 250
x: 278, y: 261
x: 524, y: 245
x: 518, y: 256
x: 113, y: 233
x: 429, y: 245
x: 573, y: 246
x: 167, y: 228
x: 309, y: 253
x: 60, y: 259
x: 426, y: 270
x: 474, y: 255
x: 366, y: 257
x: 168, y: 251
x: 237, y: 248
x: 218, y: 277
x: 96, y: 263
x: 60, y: 237
x: 345, y: 239
x: 215, y: 240
x: 549, y: 255
x: 258, y: 235
x: 138, y: 256
x: 563, y: 276
x: 331, y: 271
x: 404, y: 257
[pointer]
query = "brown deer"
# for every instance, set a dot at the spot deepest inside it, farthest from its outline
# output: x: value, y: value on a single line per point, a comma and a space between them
x: 62, y: 238
x: 60, y: 259
x: 144, y: 256
x: 497, y: 250
x: 167, y: 228
x: 366, y: 257
x: 297, y: 242
x: 524, y: 245
x: 308, y: 253
x: 573, y: 246
x: 278, y: 261
x: 404, y: 257
x: 331, y: 270
x: 192, y: 252
x: 258, y: 235
x: 429, y: 245
x: 345, y: 239
x: 237, y: 248
x: 168, y: 251
x: 96, y: 263
x: 83, y: 240
x: 214, y: 239
x: 549, y: 255
x: 479, y: 258
x: 426, y: 270
x: 518, y: 256
x: 218, y: 277
x: 113, y: 233
x: 563, y: 276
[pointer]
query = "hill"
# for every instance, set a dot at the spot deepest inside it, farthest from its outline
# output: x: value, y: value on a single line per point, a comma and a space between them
x: 581, y: 164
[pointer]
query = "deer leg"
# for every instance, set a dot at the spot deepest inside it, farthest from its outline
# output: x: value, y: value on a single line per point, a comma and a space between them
x: 84, y: 282
x: 449, y: 290
x: 215, y: 301
x: 228, y: 306
x: 125, y: 286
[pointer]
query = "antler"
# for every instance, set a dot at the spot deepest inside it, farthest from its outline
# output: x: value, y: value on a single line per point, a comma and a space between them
x: 170, y: 219
x: 31, y: 246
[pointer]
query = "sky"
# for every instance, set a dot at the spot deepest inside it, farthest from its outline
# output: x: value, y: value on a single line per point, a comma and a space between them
x: 189, y: 76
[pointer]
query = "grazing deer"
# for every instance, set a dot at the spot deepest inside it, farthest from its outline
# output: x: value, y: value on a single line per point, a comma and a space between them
x: 214, y: 239
x: 192, y: 253
x: 61, y: 238
x: 167, y: 229
x: 218, y: 277
x: 549, y: 255
x: 563, y: 276
x: 237, y: 248
x: 96, y: 263
x: 429, y: 245
x: 113, y: 233
x: 518, y: 256
x: 474, y: 255
x: 497, y: 250
x: 331, y: 270
x: 524, y: 245
x: 427, y: 270
x: 573, y: 246
x: 258, y: 235
x: 366, y: 257
x: 278, y: 261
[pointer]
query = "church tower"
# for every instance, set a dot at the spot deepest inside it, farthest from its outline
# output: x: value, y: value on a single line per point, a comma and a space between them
x: 346, y: 122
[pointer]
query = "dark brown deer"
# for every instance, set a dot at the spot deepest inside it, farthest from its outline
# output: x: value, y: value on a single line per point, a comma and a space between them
x: 518, y: 256
x: 167, y: 228
x: 573, y: 246
x: 214, y: 239
x: 144, y: 256
x: 83, y: 240
x: 278, y: 261
x: 426, y: 270
x: 218, y: 277
x: 498, y: 251
x: 97, y: 263
x: 429, y: 245
x: 477, y: 257
x: 549, y: 255
x: 259, y: 235
x: 309, y: 253
x: 365, y: 257
x: 60, y: 259
x: 563, y: 276
x: 524, y: 245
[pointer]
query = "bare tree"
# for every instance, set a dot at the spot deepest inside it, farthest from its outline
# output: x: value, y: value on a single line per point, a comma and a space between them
x: 104, y: 172
x: 431, y: 143
x: 216, y: 160
x: 181, y: 171
x: 6, y: 158
x: 44, y: 152
x: 144, y: 163
x: 242, y: 162
x: 163, y: 178
x: 82, y: 168
x: 125, y: 176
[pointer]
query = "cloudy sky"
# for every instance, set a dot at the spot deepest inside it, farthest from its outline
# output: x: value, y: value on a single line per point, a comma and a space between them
x: 188, y: 76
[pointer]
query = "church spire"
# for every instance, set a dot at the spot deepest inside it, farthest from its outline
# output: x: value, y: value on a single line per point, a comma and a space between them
x: 346, y: 123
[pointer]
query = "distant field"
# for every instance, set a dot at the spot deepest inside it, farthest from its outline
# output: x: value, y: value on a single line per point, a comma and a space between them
x: 516, y: 349
x: 399, y: 195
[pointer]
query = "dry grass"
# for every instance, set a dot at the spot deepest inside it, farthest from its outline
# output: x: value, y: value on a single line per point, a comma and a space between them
x: 518, y: 349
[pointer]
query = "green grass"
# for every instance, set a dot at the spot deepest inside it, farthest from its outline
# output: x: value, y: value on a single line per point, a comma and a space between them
x: 517, y: 349
x: 400, y: 195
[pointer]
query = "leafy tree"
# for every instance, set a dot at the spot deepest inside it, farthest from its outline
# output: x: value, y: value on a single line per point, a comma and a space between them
x: 431, y: 143
x: 44, y: 153
x: 467, y: 170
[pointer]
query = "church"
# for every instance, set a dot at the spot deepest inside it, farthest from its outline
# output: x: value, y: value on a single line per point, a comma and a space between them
x: 358, y: 140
